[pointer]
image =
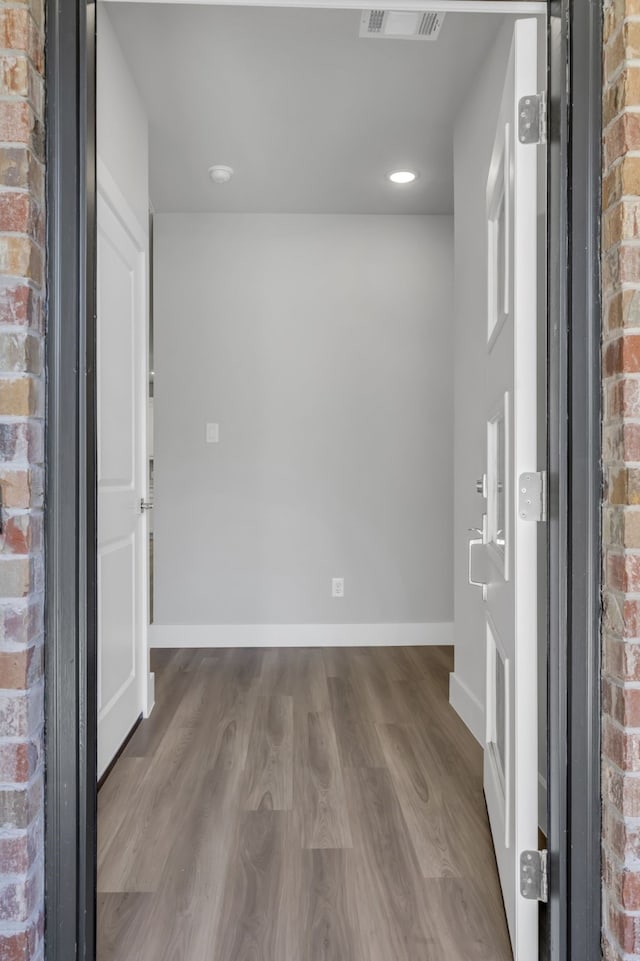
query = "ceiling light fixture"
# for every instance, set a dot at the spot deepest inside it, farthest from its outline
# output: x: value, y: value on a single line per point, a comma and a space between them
x: 221, y: 173
x: 402, y: 177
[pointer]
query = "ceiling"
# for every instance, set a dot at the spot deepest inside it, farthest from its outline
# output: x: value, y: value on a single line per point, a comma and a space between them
x: 309, y: 116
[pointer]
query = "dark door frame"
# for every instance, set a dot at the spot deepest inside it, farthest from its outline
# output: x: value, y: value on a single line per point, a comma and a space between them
x: 574, y: 474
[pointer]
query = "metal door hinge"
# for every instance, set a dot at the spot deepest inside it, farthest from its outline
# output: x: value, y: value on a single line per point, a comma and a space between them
x: 532, y: 119
x: 532, y: 496
x: 534, y: 875
x: 145, y: 505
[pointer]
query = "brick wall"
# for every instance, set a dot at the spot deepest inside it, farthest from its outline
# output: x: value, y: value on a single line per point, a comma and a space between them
x: 621, y: 445
x: 22, y: 243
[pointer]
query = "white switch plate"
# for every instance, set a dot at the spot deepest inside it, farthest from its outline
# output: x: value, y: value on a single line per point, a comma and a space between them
x: 337, y: 587
x: 213, y: 433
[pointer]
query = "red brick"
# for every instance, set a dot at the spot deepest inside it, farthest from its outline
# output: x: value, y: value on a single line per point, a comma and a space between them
x: 18, y: 899
x: 624, y: 45
x: 621, y: 659
x: 18, y: 761
x: 625, y: 928
x: 22, y: 440
x: 623, y: 486
x: 19, y: 125
x: 19, y: 670
x: 21, y: 713
x: 22, y: 534
x: 623, y: 310
x: 21, y: 257
x: 631, y: 443
x: 21, y: 487
x: 623, y: 93
x: 21, y: 624
x: 621, y: 747
x: 621, y: 222
x: 15, y: 855
x: 20, y: 396
x: 22, y: 306
x: 622, y: 704
x: 622, y: 136
x: 19, y: 32
x: 623, y: 572
x: 623, y: 399
x: 622, y: 791
x: 19, y: 168
x: 18, y: 212
x: 22, y: 945
x: 21, y: 805
x: 623, y: 882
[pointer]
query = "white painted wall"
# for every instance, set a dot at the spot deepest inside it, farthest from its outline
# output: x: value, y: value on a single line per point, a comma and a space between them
x: 122, y: 126
x: 322, y: 345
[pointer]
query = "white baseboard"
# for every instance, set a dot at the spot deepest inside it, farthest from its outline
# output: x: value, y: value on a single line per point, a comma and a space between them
x: 468, y: 706
x: 300, y: 635
x: 151, y: 694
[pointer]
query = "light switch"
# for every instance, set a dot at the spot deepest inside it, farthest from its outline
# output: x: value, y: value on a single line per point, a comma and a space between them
x: 213, y: 433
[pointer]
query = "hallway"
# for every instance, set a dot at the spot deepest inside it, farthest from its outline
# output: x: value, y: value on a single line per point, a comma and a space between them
x: 299, y: 805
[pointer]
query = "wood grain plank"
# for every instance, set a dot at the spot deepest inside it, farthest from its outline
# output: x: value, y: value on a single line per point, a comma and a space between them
x: 356, y: 734
x: 423, y: 806
x: 253, y: 918
x: 116, y: 797
x: 320, y: 798
x: 388, y: 875
x: 372, y: 807
x: 118, y: 917
x: 327, y: 926
x: 269, y: 762
x: 465, y: 922
x: 134, y: 860
x: 371, y: 681
x: 192, y: 889
x: 450, y: 745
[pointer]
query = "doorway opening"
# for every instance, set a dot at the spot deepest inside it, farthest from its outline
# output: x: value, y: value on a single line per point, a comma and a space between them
x: 338, y: 376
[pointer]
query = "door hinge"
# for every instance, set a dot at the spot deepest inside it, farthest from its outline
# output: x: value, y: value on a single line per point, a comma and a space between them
x: 532, y: 497
x: 534, y: 875
x: 532, y: 119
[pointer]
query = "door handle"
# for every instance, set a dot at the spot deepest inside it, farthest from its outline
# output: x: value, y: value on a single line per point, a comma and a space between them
x: 476, y: 542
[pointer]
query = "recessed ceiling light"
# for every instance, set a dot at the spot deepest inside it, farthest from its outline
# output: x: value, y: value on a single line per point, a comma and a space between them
x: 221, y: 173
x: 402, y: 176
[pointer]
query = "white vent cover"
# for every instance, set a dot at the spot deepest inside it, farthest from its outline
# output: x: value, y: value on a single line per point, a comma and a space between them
x: 400, y: 25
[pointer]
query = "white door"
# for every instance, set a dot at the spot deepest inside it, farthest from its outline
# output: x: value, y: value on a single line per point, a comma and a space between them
x: 121, y: 415
x: 510, y: 551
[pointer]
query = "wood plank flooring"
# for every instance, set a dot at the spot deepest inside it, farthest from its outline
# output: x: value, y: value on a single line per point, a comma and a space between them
x: 299, y: 805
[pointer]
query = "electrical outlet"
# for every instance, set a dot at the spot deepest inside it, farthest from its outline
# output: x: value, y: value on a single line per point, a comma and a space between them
x: 212, y: 433
x: 337, y: 587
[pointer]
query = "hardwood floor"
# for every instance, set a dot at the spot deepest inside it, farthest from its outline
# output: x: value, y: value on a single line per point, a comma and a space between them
x: 299, y: 805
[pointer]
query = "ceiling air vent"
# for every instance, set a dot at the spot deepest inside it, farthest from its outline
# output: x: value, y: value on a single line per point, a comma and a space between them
x: 401, y: 25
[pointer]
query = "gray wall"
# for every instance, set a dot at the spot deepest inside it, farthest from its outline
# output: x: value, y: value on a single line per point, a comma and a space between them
x: 322, y: 345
